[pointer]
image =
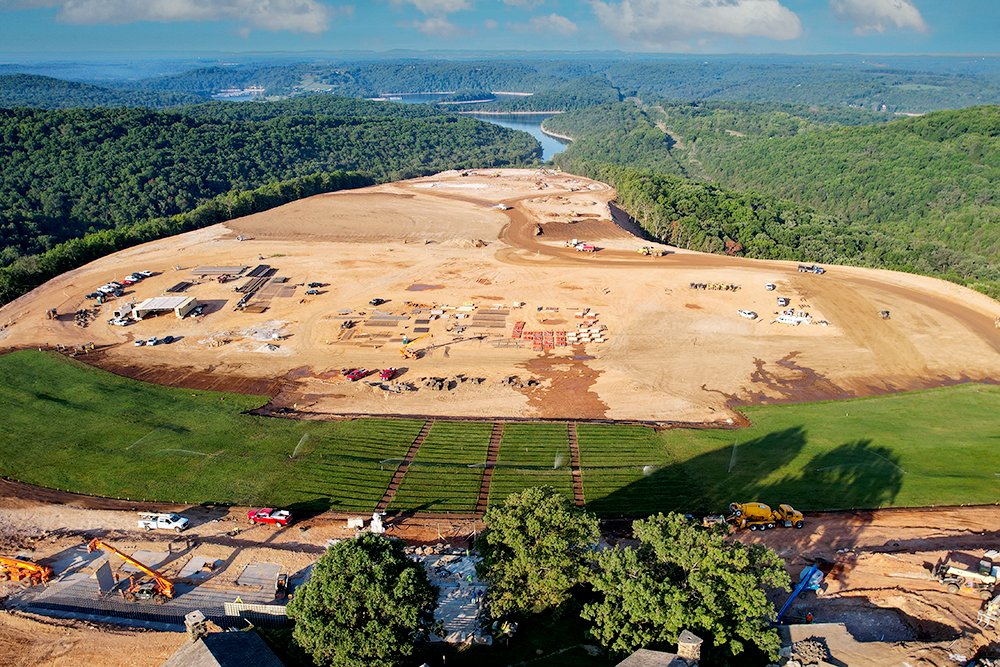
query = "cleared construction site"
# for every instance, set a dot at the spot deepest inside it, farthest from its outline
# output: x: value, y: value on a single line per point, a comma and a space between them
x: 472, y: 286
x: 470, y: 303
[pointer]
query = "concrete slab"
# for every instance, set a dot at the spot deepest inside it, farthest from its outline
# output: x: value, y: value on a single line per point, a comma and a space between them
x: 151, y: 559
x: 259, y: 575
x: 73, y: 560
x: 195, y: 569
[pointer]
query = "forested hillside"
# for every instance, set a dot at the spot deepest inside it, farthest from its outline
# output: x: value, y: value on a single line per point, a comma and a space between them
x: 67, y: 173
x: 919, y: 194
x: 29, y: 90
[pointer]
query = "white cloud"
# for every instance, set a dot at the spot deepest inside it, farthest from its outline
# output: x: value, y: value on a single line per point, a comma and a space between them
x: 553, y: 23
x: 436, y: 7
x: 294, y: 15
x: 674, y: 24
x: 527, y: 4
x: 877, y: 16
x: 437, y: 26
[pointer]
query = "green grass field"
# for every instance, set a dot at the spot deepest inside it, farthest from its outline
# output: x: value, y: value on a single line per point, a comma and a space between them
x: 69, y: 426
x: 445, y: 475
x: 532, y: 455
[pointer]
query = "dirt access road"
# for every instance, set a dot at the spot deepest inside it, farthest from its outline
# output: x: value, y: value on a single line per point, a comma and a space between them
x: 459, y: 273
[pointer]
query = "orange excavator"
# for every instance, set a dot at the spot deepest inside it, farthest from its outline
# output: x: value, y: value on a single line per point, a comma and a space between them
x: 12, y: 569
x: 159, y: 588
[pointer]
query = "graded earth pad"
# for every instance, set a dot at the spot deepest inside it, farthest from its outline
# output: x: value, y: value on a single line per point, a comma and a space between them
x: 502, y: 317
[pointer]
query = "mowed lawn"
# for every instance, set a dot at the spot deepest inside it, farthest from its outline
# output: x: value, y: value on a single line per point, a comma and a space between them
x: 532, y: 455
x: 447, y: 471
x: 934, y: 447
x: 72, y: 427
x: 69, y: 426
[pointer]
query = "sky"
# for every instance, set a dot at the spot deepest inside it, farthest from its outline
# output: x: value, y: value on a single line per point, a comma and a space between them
x: 668, y: 26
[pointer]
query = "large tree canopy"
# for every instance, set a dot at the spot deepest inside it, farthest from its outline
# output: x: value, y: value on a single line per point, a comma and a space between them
x: 534, y: 549
x: 682, y: 576
x: 366, y: 605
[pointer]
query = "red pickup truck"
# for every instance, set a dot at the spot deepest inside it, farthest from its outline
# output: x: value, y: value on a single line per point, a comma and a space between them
x: 356, y: 374
x: 269, y: 515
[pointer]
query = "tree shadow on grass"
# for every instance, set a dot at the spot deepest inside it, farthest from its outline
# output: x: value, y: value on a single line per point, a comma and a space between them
x: 855, y: 474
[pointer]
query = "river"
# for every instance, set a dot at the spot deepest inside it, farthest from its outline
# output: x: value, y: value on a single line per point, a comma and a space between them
x: 530, y: 123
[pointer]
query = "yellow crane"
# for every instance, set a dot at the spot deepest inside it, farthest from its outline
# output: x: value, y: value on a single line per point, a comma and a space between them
x: 406, y: 352
x: 159, y: 587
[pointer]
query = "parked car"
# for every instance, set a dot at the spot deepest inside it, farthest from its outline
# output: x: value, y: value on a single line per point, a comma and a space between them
x: 145, y: 274
x: 167, y: 340
x: 376, y: 302
x: 315, y: 284
x: 770, y: 287
x: 312, y: 291
x: 749, y: 314
x: 155, y: 520
x: 139, y: 343
x: 127, y: 282
x: 153, y: 341
x: 387, y: 374
x: 356, y: 374
x: 271, y: 516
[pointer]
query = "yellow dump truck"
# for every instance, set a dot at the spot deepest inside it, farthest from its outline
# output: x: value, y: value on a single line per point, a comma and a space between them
x: 758, y: 516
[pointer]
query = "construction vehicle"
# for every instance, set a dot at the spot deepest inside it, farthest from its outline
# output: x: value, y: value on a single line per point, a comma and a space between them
x: 758, y: 516
x: 33, y: 574
x: 281, y: 586
x: 157, y: 588
x: 981, y: 582
x: 406, y: 352
x: 990, y: 613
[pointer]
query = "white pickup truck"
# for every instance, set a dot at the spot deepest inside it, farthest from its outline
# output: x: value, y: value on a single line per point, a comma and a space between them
x: 153, y: 520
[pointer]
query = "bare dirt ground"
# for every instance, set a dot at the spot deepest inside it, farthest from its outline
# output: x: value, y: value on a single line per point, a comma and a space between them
x: 26, y: 639
x: 878, y: 584
x: 453, y: 266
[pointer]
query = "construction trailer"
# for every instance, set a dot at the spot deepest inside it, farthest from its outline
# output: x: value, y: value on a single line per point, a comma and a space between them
x: 180, y: 305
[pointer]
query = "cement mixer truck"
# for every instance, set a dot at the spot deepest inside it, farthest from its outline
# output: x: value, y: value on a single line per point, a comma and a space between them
x: 758, y: 516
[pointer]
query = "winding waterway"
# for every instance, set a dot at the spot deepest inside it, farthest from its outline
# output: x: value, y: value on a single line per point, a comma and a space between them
x: 526, y: 122
x: 530, y: 123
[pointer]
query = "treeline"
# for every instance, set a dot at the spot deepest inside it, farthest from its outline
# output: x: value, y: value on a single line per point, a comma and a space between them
x: 27, y: 273
x: 914, y: 84
x: 708, y: 218
x: 899, y: 83
x: 916, y: 195
x: 71, y: 172
x: 29, y: 90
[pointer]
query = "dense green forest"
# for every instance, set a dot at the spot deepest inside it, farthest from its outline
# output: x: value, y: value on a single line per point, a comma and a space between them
x: 917, y: 194
x: 899, y: 83
x: 29, y: 90
x: 71, y: 172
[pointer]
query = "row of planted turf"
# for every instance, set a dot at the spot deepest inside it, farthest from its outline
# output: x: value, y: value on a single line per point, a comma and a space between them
x: 447, y: 471
x: 69, y: 426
